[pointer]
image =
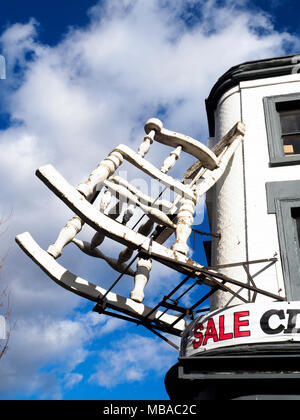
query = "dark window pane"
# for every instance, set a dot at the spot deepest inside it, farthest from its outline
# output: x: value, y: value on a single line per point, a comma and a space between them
x: 290, y: 121
x: 288, y: 105
x: 289, y: 115
x: 296, y: 215
x: 298, y: 229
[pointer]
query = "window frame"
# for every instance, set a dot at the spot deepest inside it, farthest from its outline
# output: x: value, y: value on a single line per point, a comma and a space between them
x: 281, y: 198
x: 274, y: 132
x: 289, y: 246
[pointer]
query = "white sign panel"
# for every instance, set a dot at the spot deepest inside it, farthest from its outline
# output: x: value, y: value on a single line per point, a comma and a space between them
x: 243, y: 324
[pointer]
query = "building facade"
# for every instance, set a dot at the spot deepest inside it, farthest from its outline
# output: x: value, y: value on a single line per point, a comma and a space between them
x: 247, y: 347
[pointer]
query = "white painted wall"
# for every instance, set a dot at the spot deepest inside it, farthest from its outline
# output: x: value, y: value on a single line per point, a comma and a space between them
x: 238, y: 201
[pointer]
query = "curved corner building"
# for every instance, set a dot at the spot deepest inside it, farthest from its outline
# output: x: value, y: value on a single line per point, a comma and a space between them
x: 248, y: 346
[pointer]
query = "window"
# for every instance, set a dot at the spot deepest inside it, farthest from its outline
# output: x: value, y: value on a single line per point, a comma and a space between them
x: 284, y: 200
x: 289, y: 115
x: 282, y: 114
x: 295, y: 211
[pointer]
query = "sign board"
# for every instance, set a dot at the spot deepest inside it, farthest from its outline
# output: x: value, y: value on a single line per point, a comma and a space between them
x: 251, y: 323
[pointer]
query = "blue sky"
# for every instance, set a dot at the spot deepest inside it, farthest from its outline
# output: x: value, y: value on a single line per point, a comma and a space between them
x: 81, y: 75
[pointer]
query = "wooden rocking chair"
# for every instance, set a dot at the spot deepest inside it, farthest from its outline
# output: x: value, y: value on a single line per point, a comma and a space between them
x: 169, y: 217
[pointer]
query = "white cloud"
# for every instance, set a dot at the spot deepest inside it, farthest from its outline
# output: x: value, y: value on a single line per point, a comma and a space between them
x: 69, y: 105
x: 62, y: 343
x: 131, y: 359
x: 35, y: 343
x: 73, y: 379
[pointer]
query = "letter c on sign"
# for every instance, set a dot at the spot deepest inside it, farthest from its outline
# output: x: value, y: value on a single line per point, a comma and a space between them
x: 264, y: 322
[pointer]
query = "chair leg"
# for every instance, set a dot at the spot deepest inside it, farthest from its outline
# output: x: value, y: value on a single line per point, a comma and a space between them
x: 67, y: 233
x: 141, y: 279
x: 184, y: 226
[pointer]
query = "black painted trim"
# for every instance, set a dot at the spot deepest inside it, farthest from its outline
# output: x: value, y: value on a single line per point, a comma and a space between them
x: 255, y: 372
x: 251, y: 70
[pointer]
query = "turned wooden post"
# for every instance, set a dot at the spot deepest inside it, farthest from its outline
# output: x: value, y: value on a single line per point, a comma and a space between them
x: 105, y: 200
x: 144, y: 266
x: 185, y: 220
x: 128, y: 213
x: 105, y: 169
x: 144, y: 229
x: 171, y: 160
x: 146, y: 143
x: 141, y: 279
x: 142, y: 151
x: 68, y: 232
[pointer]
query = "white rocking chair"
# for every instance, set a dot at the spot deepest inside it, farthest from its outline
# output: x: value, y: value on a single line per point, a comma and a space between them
x: 176, y: 216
